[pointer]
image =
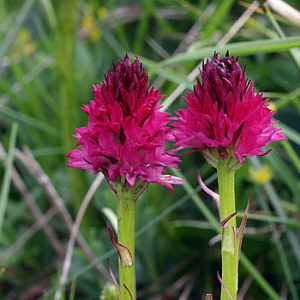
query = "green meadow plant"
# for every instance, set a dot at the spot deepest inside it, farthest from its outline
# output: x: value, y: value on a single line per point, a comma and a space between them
x: 5, y: 187
x: 50, y: 53
x: 125, y: 140
x: 226, y: 121
x: 126, y: 136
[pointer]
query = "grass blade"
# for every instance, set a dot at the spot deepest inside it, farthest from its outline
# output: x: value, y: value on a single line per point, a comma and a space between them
x: 7, y: 175
x: 240, y: 48
x: 17, y: 24
x: 279, y: 247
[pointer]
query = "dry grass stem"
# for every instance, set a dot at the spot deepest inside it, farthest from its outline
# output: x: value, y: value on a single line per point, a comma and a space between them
x: 74, y: 231
x: 30, y: 201
x: 27, y: 235
x: 181, y: 283
x: 284, y: 9
x: 239, y: 23
x: 36, y: 171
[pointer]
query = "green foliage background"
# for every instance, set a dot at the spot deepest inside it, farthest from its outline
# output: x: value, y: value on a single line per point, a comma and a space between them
x: 51, y: 52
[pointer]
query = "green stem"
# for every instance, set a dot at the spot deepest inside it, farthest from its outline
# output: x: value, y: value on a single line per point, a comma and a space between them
x: 7, y: 175
x: 229, y: 253
x: 281, y: 34
x: 126, y: 215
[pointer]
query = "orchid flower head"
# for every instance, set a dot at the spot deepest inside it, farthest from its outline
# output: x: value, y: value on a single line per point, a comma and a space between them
x: 225, y: 119
x: 126, y: 134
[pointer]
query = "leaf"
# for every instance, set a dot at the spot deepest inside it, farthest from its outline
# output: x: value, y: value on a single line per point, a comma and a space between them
x: 240, y: 48
x: 228, y: 235
x: 123, y: 252
x: 241, y: 230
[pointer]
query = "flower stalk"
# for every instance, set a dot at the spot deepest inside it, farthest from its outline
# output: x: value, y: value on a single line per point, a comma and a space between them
x: 126, y: 221
x: 228, y: 251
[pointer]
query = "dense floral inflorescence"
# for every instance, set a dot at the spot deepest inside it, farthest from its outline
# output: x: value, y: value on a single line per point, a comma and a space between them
x: 225, y: 119
x: 126, y: 133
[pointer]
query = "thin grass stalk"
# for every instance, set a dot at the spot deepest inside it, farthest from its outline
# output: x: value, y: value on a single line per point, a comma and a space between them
x: 5, y: 187
x: 286, y: 175
x: 260, y: 280
x: 73, y: 290
x: 220, y: 12
x: 238, y: 48
x: 276, y: 203
x: 37, y: 213
x: 272, y: 219
x: 34, y: 109
x: 41, y: 177
x: 18, y: 21
x: 65, y: 60
x: 281, y: 34
x: 74, y: 232
x: 120, y: 32
x: 199, y: 203
x: 143, y: 26
x: 279, y: 247
x: 1, y: 15
x: 295, y: 159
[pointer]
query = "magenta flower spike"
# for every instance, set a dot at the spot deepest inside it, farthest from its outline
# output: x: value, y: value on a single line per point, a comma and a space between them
x: 225, y: 119
x: 126, y: 133
x: 125, y: 139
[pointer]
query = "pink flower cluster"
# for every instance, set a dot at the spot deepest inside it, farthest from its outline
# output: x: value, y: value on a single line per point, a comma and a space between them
x: 126, y: 133
x: 224, y: 118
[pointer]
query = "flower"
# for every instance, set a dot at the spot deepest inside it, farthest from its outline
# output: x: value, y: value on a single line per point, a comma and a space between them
x: 127, y: 133
x: 89, y: 28
x: 224, y: 118
x: 261, y: 175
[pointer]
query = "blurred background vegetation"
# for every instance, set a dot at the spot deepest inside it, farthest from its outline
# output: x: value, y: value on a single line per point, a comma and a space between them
x: 51, y: 52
